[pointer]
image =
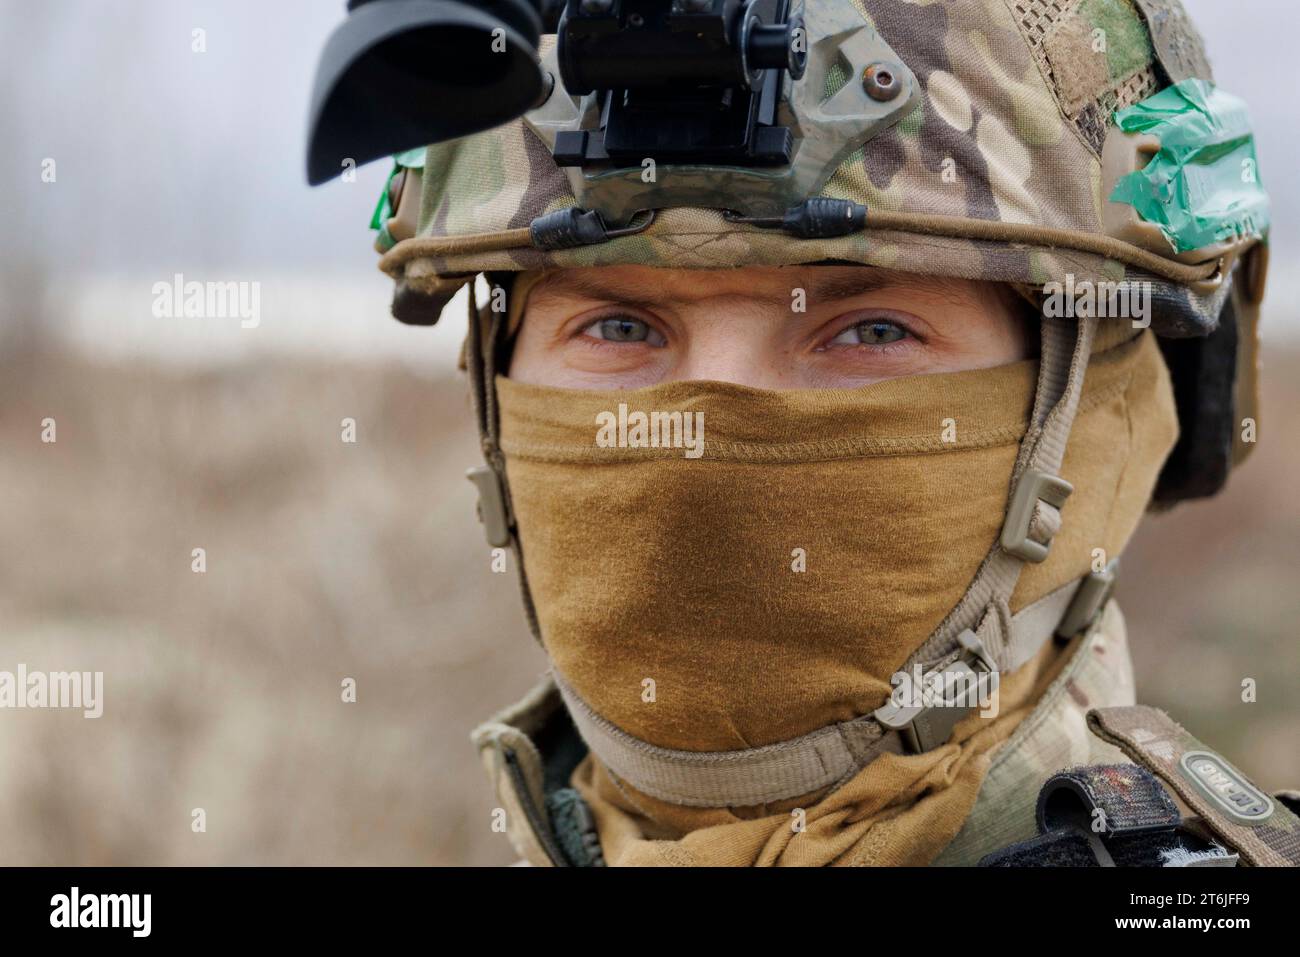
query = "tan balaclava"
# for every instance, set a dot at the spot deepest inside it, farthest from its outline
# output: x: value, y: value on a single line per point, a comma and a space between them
x: 767, y: 569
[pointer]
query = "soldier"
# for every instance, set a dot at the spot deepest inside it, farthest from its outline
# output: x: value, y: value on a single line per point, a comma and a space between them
x: 833, y: 356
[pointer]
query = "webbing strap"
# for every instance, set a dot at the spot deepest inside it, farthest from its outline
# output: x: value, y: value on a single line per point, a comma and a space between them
x: 1066, y: 348
x: 802, y: 765
x: 1032, y: 625
x: 481, y: 365
x: 743, y: 778
x: 485, y: 330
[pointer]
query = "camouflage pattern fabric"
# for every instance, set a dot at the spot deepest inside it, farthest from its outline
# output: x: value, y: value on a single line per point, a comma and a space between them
x: 1017, y: 97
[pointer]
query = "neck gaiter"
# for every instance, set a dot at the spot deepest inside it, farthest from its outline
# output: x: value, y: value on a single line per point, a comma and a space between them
x: 716, y: 567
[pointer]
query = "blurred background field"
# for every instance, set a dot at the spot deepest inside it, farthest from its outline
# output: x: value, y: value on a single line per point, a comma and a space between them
x: 324, y: 560
x: 329, y: 560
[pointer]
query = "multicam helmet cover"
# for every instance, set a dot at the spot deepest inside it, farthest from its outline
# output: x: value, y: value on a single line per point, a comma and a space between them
x: 1011, y: 150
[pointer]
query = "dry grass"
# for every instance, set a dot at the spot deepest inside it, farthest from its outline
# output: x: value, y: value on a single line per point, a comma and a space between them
x: 325, y: 561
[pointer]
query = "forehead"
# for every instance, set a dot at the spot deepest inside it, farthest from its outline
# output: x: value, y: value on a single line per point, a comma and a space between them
x: 818, y: 283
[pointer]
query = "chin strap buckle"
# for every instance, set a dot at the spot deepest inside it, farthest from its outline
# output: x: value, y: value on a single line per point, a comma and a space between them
x: 491, y: 505
x: 1034, y: 488
x: 961, y: 687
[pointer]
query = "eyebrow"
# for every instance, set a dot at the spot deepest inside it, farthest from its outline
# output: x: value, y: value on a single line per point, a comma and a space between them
x: 629, y: 294
x: 829, y: 288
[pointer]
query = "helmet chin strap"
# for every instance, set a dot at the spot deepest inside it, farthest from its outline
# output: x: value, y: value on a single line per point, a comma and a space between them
x: 482, y: 348
x: 1037, y: 492
x: 977, y: 641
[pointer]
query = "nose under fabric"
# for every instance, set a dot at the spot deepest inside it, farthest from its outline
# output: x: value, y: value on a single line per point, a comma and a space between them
x: 768, y: 579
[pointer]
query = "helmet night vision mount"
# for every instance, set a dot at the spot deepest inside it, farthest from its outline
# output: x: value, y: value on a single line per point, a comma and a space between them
x: 751, y: 107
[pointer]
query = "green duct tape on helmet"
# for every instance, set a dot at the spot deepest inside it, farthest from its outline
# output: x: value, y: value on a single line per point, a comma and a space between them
x: 1202, y: 187
x: 412, y: 159
x: 383, y: 209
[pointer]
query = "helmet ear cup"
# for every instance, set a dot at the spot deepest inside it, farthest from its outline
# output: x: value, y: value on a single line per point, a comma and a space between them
x: 1204, y: 371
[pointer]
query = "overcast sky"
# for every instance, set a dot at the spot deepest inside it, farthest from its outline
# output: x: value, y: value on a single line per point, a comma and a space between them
x: 170, y: 161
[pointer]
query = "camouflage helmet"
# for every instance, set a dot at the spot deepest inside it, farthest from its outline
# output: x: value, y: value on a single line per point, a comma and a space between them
x: 1026, y: 142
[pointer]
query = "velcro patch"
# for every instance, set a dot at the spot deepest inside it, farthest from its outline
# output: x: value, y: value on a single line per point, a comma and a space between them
x: 1106, y: 799
x: 1178, y: 46
x: 1094, y: 49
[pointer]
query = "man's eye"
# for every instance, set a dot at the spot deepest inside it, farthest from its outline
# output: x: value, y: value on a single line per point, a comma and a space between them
x: 624, y: 329
x: 871, y: 334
